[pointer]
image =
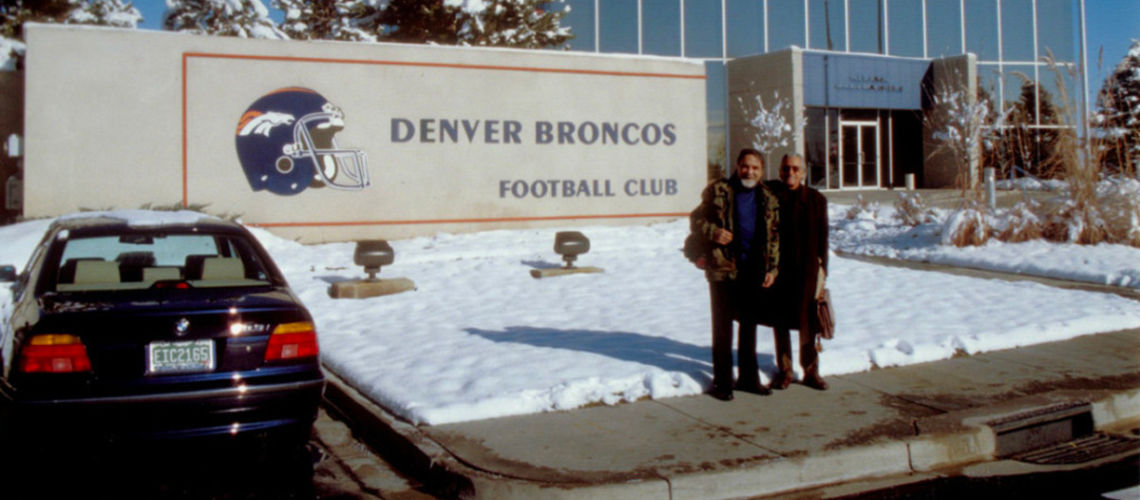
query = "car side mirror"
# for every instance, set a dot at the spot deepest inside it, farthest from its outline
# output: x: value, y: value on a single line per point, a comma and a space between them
x: 8, y: 273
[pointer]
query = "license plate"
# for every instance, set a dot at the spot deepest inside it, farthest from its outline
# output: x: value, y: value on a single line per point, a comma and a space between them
x: 180, y: 357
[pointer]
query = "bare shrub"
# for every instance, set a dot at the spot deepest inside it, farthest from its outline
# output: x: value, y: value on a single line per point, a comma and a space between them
x: 912, y: 210
x: 863, y: 209
x: 967, y: 226
x: 1080, y: 219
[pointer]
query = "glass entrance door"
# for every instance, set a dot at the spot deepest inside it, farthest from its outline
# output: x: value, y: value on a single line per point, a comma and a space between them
x: 859, y: 154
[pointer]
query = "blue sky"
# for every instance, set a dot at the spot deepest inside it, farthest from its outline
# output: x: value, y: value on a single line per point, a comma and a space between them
x: 1110, y: 24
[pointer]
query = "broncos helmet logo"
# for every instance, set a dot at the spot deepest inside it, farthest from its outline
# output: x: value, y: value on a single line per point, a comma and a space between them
x: 256, y: 122
x: 286, y: 143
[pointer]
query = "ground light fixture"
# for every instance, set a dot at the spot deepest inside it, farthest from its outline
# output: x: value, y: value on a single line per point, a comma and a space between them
x: 372, y: 255
x: 568, y: 244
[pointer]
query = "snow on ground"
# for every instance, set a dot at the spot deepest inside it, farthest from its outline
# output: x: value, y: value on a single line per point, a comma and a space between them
x: 480, y: 338
x: 884, y: 236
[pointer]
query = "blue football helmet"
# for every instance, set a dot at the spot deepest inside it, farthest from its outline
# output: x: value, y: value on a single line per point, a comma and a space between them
x: 285, y: 144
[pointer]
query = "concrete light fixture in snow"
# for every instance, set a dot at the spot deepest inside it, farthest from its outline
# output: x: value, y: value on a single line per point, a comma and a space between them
x: 568, y: 244
x: 372, y: 254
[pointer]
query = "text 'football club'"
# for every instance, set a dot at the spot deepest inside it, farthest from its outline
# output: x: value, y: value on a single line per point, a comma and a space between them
x: 588, y: 188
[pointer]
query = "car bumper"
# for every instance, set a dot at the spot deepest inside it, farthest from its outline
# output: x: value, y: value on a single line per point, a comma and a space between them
x: 279, y: 408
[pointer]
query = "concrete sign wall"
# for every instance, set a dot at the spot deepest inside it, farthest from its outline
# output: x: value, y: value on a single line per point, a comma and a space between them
x: 337, y: 141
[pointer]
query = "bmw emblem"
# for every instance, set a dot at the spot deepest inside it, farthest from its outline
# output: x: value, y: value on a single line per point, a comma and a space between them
x: 182, y: 327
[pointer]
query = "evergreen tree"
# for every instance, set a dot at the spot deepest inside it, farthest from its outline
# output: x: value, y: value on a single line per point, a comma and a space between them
x: 1118, y: 115
x: 514, y: 23
x: 421, y: 21
x: 115, y: 13
x: 240, y: 18
x: 493, y: 23
x: 350, y: 20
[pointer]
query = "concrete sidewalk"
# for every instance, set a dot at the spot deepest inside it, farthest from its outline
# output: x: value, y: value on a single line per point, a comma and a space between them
x: 907, y: 422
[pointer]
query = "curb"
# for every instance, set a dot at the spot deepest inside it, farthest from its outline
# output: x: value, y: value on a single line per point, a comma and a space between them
x: 942, y: 441
x: 396, y: 440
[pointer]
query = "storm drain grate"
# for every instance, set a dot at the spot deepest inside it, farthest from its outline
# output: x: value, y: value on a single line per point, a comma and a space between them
x: 1081, y: 450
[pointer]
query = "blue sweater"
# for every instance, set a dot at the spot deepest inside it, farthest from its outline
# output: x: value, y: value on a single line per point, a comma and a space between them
x: 745, y: 222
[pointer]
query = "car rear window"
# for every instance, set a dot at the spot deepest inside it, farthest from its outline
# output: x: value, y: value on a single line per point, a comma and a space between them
x: 140, y: 260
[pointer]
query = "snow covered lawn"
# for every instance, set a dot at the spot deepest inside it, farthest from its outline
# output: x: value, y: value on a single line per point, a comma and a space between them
x: 480, y: 338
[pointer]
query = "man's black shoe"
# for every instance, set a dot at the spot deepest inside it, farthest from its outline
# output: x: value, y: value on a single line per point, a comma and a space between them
x: 753, y: 387
x: 721, y: 393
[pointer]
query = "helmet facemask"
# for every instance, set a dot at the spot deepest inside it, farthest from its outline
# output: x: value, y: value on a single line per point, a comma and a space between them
x: 314, y: 139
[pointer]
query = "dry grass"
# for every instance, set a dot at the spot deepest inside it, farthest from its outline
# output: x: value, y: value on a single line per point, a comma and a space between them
x: 1020, y: 223
x: 912, y: 210
x: 1094, y: 209
x: 862, y: 209
x: 968, y: 226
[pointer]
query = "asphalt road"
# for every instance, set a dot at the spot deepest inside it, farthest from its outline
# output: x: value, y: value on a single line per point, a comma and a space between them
x: 332, y: 465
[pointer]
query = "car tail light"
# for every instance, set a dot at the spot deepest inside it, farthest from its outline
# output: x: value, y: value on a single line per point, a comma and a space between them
x: 292, y: 341
x: 54, y: 353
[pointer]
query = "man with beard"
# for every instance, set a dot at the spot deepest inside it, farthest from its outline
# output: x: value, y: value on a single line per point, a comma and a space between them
x: 738, y: 220
x: 803, y: 266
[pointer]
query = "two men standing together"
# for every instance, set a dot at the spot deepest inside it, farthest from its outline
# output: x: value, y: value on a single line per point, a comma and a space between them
x: 767, y: 260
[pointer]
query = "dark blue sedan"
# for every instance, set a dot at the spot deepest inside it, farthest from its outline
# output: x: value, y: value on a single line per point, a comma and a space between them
x: 133, y: 325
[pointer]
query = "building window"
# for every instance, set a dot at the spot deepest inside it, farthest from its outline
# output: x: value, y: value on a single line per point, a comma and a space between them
x: 661, y: 28
x: 981, y: 29
x: 1019, y: 80
x: 944, y: 28
x: 865, y: 23
x: 815, y: 147
x: 989, y: 84
x: 580, y: 19
x: 617, y: 21
x: 1017, y: 30
x: 905, y: 28
x: 715, y: 94
x: 703, y: 36
x: 1055, y: 28
x: 745, y: 20
x: 785, y: 24
x: 827, y: 24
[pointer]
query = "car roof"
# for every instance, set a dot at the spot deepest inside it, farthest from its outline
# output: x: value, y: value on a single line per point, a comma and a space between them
x: 114, y: 221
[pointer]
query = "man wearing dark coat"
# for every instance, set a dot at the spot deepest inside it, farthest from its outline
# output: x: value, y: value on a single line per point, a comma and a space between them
x: 803, y: 266
x: 738, y: 222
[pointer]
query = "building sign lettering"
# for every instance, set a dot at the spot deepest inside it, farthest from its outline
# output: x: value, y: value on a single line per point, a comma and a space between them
x: 454, y: 131
x: 587, y: 188
x: 869, y: 83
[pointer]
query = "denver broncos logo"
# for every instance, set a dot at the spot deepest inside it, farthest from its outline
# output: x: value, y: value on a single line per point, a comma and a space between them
x: 256, y: 122
x: 286, y: 143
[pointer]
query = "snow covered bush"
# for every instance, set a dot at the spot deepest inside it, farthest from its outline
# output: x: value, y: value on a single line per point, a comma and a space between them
x: 912, y: 210
x: 1119, y: 198
x: 968, y: 226
x: 1019, y: 223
